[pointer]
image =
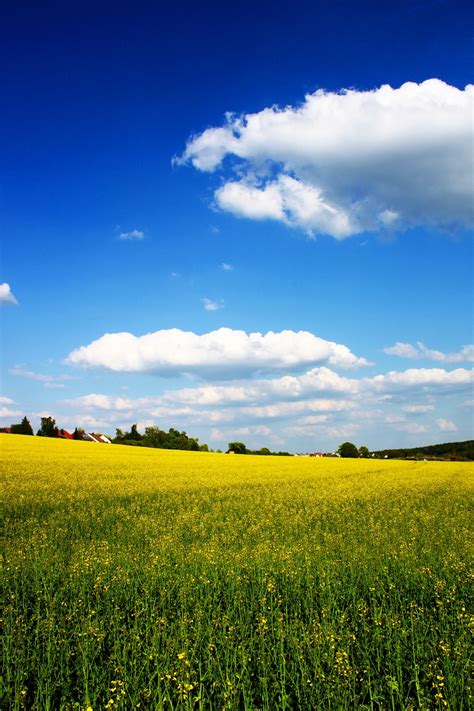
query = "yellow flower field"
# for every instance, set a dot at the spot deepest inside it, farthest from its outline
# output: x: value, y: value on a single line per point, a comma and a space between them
x: 152, y: 579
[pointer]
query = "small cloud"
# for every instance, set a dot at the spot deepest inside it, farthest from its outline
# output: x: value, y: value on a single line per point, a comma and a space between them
x: 210, y: 305
x: 6, y: 295
x: 446, y: 425
x: 7, y: 412
x: 388, y: 217
x: 133, y: 235
x: 49, y: 381
x: 54, y: 386
x: 417, y: 409
x: 215, y: 230
x: 413, y: 428
x: 313, y: 419
x: 174, y: 275
x: 6, y: 401
x: 407, y: 350
x: 402, y: 350
x: 227, y: 267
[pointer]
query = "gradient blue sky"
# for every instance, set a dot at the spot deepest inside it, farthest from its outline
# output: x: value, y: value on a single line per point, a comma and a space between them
x: 97, y: 101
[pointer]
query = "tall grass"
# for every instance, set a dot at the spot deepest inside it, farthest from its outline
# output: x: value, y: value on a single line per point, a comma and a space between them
x: 172, y: 580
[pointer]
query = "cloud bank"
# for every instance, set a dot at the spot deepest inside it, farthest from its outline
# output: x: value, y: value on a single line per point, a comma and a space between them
x: 319, y: 404
x: 348, y: 162
x: 221, y: 353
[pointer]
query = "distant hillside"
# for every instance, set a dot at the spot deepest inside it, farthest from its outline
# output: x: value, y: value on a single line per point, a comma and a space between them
x: 449, y: 450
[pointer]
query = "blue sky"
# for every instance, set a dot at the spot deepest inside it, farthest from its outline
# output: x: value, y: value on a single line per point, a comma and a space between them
x: 132, y: 202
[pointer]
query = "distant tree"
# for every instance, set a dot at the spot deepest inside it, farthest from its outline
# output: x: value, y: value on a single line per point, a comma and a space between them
x: 237, y: 447
x: 48, y: 428
x: 24, y: 427
x: 134, y: 434
x: 264, y: 451
x: 204, y: 448
x: 78, y: 433
x: 363, y: 452
x: 347, y: 449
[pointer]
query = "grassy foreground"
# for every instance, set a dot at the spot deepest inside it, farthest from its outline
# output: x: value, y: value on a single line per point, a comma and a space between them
x: 152, y: 579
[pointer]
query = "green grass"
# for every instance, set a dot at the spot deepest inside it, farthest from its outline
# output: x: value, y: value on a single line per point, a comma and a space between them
x: 167, y: 580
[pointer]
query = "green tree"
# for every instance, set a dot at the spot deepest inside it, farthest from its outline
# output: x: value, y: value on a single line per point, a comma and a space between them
x: 134, y: 434
x: 363, y: 452
x: 78, y: 433
x: 48, y: 428
x: 347, y: 449
x: 24, y: 427
x: 237, y: 447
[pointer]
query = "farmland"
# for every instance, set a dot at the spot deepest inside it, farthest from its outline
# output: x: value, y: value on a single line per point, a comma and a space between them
x: 152, y: 579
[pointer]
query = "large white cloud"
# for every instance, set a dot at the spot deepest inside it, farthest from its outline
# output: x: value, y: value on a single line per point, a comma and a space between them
x: 407, y: 350
x: 346, y: 162
x: 6, y: 295
x: 221, y: 353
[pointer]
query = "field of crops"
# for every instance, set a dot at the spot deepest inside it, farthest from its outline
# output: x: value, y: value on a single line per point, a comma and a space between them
x: 153, y: 579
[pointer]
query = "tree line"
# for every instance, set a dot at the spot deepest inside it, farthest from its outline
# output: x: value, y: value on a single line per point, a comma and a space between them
x: 160, y: 439
x: 448, y: 450
x: 240, y: 448
x: 153, y: 437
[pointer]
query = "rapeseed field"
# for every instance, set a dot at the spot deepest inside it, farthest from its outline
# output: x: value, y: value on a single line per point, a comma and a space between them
x: 151, y: 579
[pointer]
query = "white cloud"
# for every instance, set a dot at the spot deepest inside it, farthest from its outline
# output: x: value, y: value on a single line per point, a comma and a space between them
x: 23, y: 373
x: 312, y: 420
x: 261, y: 430
x: 210, y: 305
x: 342, y: 163
x: 8, y: 412
x: 406, y: 350
x: 289, y: 201
x: 423, y: 379
x: 446, y: 425
x: 108, y: 402
x: 227, y: 267
x: 402, y: 350
x: 132, y: 235
x: 49, y: 381
x: 417, y: 409
x: 221, y: 353
x: 6, y: 295
x: 411, y: 427
x: 6, y: 400
x: 319, y: 401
